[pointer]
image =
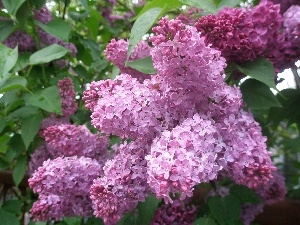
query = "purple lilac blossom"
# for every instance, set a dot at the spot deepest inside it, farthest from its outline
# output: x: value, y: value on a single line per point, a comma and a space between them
x: 285, y: 4
x: 274, y: 191
x: 183, y: 157
x: 250, y: 211
x: 175, y: 213
x: 63, y: 186
x: 67, y: 94
x: 124, y: 183
x: 125, y: 107
x: 243, y: 35
x: 116, y: 52
x: 186, y: 114
x: 37, y: 158
x: 72, y: 140
x: 21, y: 39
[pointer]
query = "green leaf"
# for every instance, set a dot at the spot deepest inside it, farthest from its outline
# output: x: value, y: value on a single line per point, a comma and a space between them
x: 205, y: 221
x: 48, y: 54
x: 47, y: 99
x: 227, y: 3
x: 37, y: 3
x: 25, y: 111
x: 258, y: 95
x: 17, y: 146
x: 225, y: 210
x: 12, y: 6
x: 144, y: 65
x: 8, y: 58
x: 290, y: 101
x: 29, y: 128
x: 13, y: 206
x: 73, y: 220
x: 207, y: 5
x: 94, y: 221
x: 2, y: 124
x: 22, y: 63
x: 244, y: 194
x: 141, y: 26
x: 147, y: 209
x: 13, y: 83
x: 6, y: 27
x: 8, y: 218
x: 169, y: 4
x: 20, y: 170
x: 58, y: 28
x: 260, y: 69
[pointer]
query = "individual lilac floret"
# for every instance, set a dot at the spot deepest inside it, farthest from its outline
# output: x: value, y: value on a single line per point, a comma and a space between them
x: 125, y: 107
x: 123, y: 184
x: 67, y: 94
x: 175, y: 213
x: 72, y: 140
x: 184, y: 157
x: 63, y: 186
x: 116, y: 52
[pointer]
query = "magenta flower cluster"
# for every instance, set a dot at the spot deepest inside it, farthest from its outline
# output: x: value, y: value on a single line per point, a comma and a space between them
x: 245, y: 34
x: 185, y: 126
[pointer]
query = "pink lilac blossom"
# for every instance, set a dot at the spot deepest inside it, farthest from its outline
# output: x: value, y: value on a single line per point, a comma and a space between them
x: 184, y: 115
x: 187, y: 68
x: 183, y: 157
x: 244, y: 157
x: 63, y: 186
x: 175, y: 213
x: 123, y: 184
x: 72, y: 140
x: 125, y: 107
x: 52, y: 120
x: 67, y: 94
x: 116, y: 52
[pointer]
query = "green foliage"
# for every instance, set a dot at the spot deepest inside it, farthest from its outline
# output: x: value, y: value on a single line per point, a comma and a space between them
x: 48, y: 54
x: 144, y: 65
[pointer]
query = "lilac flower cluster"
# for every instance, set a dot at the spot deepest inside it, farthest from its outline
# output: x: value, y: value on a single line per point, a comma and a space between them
x: 284, y: 5
x: 67, y: 94
x: 63, y: 186
x: 185, y: 124
x: 175, y: 213
x: 245, y: 34
x: 63, y: 168
x: 123, y: 184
